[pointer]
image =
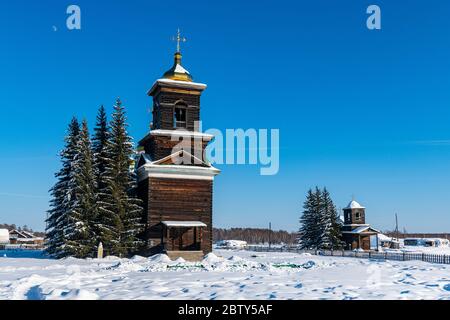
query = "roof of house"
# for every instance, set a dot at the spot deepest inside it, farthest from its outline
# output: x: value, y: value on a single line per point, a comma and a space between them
x: 28, y: 234
x: 184, y: 224
x: 383, y: 237
x: 354, y: 205
x: 362, y: 229
x: 23, y: 234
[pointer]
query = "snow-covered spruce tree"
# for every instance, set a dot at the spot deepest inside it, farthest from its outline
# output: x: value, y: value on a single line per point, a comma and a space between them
x: 331, y: 234
x: 80, y: 232
x: 120, y: 209
x: 99, y: 144
x: 310, y: 230
x: 62, y: 195
x: 305, y: 234
x: 99, y: 141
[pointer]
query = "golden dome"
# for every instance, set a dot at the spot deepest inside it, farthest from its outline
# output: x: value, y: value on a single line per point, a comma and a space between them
x: 177, y: 72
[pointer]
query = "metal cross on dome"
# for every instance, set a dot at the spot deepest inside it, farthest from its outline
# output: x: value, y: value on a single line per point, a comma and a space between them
x: 179, y: 39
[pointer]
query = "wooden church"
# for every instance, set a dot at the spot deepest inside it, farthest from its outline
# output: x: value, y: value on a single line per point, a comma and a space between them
x: 176, y: 183
x: 358, y: 235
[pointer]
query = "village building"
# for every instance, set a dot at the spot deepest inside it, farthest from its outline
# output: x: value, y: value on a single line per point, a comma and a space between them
x: 426, y: 242
x: 358, y: 235
x: 176, y: 186
x: 4, y: 238
x: 387, y: 242
x: 25, y: 239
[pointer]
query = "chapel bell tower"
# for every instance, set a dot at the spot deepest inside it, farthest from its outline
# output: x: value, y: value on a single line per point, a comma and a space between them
x: 175, y: 181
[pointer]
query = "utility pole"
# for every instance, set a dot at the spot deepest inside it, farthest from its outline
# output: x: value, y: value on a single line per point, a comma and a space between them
x: 396, y: 227
x: 270, y: 232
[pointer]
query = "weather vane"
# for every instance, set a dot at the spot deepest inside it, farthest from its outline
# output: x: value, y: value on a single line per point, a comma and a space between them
x: 179, y: 39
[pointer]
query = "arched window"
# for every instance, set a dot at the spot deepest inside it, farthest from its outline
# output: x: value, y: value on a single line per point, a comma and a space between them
x: 180, y: 115
x: 358, y: 216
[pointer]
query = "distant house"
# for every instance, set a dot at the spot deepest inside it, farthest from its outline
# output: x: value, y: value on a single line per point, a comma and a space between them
x: 388, y: 242
x: 25, y: 239
x: 4, y: 237
x: 231, y: 244
x: 426, y: 242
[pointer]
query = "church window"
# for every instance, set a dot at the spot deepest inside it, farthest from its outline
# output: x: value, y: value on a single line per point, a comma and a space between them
x: 358, y: 216
x: 179, y: 117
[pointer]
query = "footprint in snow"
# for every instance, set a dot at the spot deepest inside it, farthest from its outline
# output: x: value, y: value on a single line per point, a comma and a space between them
x: 405, y: 292
x: 446, y: 287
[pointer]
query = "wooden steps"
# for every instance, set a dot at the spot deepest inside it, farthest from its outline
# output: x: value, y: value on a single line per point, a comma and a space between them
x: 186, y: 255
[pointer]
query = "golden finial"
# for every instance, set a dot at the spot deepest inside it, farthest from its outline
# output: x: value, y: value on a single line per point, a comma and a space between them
x: 177, y: 72
x: 178, y: 38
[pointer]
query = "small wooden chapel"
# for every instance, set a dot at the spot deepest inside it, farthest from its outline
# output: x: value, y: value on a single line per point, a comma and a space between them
x: 358, y: 235
x: 176, y: 183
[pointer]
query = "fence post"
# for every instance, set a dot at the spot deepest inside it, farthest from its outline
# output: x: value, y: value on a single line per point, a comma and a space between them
x: 385, y: 256
x: 423, y: 256
x: 404, y: 255
x: 370, y: 254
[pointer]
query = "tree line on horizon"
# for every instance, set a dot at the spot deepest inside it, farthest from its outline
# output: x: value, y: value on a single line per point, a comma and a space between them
x: 255, y: 235
x: 94, y: 199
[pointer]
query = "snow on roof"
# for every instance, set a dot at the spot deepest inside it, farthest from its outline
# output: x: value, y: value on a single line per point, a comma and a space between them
x: 382, y: 237
x: 28, y: 234
x: 354, y: 205
x: 20, y: 233
x: 179, y: 69
x: 183, y: 224
x: 181, y: 133
x: 361, y: 230
x: 4, y: 236
x: 177, y: 83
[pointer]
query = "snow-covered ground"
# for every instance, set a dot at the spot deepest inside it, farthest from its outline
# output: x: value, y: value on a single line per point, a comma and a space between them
x: 223, y: 275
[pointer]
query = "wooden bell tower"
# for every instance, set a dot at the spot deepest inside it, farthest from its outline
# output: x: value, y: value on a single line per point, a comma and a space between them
x: 175, y: 181
x: 358, y: 235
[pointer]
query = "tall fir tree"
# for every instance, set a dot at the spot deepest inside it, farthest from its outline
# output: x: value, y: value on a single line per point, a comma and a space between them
x: 120, y: 209
x: 62, y: 195
x: 320, y: 222
x: 331, y: 223
x: 99, y: 142
x: 99, y: 150
x: 80, y: 232
x: 310, y: 230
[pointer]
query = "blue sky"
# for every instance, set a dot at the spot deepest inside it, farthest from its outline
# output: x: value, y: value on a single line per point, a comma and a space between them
x: 365, y: 113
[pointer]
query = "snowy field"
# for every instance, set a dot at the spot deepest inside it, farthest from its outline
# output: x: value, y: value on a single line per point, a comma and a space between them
x: 223, y: 275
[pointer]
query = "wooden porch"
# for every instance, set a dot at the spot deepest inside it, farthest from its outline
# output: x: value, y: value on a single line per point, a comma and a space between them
x: 182, y: 236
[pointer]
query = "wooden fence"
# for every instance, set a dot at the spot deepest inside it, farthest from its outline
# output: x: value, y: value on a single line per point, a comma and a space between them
x: 396, y: 256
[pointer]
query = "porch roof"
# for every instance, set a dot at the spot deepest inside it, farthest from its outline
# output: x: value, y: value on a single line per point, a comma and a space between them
x: 181, y: 224
x: 363, y: 229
